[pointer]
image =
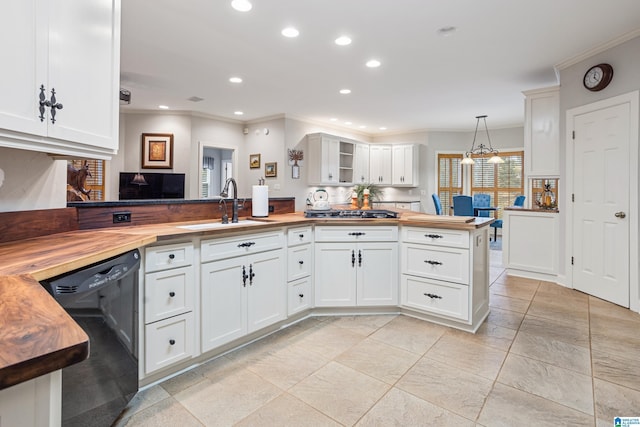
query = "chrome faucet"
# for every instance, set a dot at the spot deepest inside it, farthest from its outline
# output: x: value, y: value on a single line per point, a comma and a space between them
x: 225, y: 193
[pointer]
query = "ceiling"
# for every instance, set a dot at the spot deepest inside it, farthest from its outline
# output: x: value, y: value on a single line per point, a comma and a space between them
x: 174, y: 50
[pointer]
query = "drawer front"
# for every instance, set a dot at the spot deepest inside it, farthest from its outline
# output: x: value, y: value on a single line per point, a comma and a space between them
x: 300, y: 296
x: 436, y: 236
x: 438, y: 298
x: 299, y: 236
x: 168, y: 293
x: 215, y: 249
x: 169, y: 341
x: 299, y: 262
x: 448, y: 264
x: 348, y: 233
x: 169, y: 256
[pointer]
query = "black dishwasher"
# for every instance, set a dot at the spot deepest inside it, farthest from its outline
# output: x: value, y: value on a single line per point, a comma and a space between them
x: 103, y: 299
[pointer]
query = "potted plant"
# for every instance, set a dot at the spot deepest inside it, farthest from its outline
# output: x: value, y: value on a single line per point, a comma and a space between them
x: 375, y: 193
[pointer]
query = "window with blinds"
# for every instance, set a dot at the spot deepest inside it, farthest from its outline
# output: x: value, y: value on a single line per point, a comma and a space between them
x: 503, y: 181
x: 95, y: 182
x: 449, y: 180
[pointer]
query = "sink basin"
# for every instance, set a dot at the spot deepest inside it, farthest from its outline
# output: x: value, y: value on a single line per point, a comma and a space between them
x: 218, y: 224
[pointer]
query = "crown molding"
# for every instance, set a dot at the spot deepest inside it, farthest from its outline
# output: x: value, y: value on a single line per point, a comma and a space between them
x: 596, y: 50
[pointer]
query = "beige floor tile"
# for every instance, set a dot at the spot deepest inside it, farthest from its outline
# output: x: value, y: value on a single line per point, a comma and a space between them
x: 288, y: 366
x: 329, y: 341
x: 614, y: 401
x: 365, y: 325
x: 559, y: 385
x: 505, y: 318
x: 379, y: 360
x: 516, y: 280
x: 408, y: 333
x: 182, y: 381
x: 616, y: 330
x: 557, y: 353
x: 576, y: 301
x: 562, y: 293
x: 167, y: 412
x: 472, y: 357
x: 559, y: 312
x: 507, y: 303
x: 514, y: 290
x: 446, y: 386
x: 488, y: 334
x: 340, y: 392
x: 142, y: 400
x: 606, y: 308
x: 285, y: 411
x: 508, y: 407
x: 617, y: 369
x: 398, y: 408
x: 576, y: 333
x: 229, y: 400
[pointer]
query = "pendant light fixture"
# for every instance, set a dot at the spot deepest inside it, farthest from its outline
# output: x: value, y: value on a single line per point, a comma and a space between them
x: 481, y: 150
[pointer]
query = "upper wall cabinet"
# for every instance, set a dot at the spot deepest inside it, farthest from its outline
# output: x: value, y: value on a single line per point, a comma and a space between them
x: 361, y: 164
x: 60, y: 93
x: 380, y: 164
x: 405, y: 165
x: 541, y: 132
x: 331, y: 160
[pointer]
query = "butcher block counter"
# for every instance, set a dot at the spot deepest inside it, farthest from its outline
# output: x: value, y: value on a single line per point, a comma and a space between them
x: 37, y: 336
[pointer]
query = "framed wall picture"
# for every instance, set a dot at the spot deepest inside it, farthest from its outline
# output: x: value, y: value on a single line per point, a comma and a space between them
x: 271, y: 169
x: 157, y: 151
x: 254, y: 161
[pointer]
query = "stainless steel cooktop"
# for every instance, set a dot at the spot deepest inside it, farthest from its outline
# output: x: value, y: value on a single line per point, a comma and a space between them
x: 348, y: 213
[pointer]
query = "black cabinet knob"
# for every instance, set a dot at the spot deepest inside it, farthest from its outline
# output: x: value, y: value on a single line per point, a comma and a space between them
x: 301, y: 295
x: 171, y: 256
x: 301, y: 262
x: 172, y: 294
x: 172, y: 342
x: 301, y: 236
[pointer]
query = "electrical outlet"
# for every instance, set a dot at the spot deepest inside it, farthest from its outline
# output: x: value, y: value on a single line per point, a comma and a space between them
x: 119, y: 217
x: 272, y: 208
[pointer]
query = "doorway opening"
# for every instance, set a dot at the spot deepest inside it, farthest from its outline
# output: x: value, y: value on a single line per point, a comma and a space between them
x: 217, y: 164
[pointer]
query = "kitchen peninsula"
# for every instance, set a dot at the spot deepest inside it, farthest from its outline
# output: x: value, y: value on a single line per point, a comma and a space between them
x: 426, y: 249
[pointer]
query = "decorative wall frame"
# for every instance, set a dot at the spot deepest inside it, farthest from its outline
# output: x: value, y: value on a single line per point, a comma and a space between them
x: 254, y: 161
x: 271, y: 169
x: 157, y: 151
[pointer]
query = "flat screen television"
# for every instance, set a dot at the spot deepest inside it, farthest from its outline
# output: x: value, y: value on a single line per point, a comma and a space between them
x: 159, y: 186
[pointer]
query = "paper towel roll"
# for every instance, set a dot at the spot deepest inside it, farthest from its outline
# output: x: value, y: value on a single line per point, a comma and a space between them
x: 260, y: 200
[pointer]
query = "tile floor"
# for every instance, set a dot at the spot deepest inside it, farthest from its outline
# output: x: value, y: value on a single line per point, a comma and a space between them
x: 546, y: 356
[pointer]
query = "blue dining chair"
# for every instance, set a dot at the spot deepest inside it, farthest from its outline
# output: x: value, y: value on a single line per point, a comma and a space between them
x: 437, y: 203
x: 482, y: 201
x: 462, y: 206
x: 519, y: 201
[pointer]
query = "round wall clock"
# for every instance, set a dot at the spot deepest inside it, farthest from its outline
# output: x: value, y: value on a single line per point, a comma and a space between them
x: 598, y: 77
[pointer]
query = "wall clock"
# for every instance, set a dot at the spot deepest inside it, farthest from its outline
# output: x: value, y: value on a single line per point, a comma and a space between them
x: 598, y: 77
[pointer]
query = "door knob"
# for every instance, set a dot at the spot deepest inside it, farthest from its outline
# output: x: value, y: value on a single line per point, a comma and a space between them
x: 620, y: 215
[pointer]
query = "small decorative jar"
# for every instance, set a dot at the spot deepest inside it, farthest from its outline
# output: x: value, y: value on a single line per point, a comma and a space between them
x: 546, y: 199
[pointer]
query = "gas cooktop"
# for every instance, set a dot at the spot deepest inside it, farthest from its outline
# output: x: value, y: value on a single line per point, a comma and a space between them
x: 348, y: 213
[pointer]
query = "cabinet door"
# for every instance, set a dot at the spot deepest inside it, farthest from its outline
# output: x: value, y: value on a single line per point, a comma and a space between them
x: 404, y: 166
x: 169, y: 341
x: 361, y: 164
x: 299, y: 262
x: 299, y: 296
x: 541, y: 133
x: 377, y: 273
x: 224, y: 302
x: 439, y: 298
x: 380, y: 164
x: 330, y: 161
x: 168, y: 293
x: 267, y: 301
x: 335, y: 274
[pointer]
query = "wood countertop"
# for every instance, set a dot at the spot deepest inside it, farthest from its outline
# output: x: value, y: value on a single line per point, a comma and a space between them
x: 37, y: 336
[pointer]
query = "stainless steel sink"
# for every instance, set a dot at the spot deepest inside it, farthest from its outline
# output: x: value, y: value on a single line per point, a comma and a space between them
x: 218, y: 224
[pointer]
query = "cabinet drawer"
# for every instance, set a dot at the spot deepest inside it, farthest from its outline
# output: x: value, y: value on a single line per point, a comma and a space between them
x: 448, y: 264
x: 169, y: 341
x: 168, y: 293
x: 436, y: 236
x: 442, y: 299
x: 348, y: 233
x: 299, y: 296
x: 215, y: 249
x: 168, y: 256
x: 299, y: 236
x: 299, y: 263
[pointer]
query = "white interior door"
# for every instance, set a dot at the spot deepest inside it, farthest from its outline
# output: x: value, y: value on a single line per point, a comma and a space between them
x: 601, y: 205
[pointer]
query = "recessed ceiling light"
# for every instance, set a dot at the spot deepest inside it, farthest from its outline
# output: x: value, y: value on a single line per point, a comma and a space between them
x: 238, y: 113
x: 290, y: 32
x: 348, y: 123
x: 373, y: 63
x: 343, y: 41
x: 163, y: 107
x: 235, y: 80
x: 446, y: 31
x: 333, y: 119
x: 362, y: 127
x: 241, y: 5
x: 345, y: 91
x: 382, y: 128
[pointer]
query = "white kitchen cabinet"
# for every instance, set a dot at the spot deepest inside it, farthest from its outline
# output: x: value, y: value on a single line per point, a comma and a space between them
x: 361, y: 164
x: 356, y: 266
x: 410, y: 206
x: 380, y: 164
x: 331, y: 160
x: 444, y: 274
x: 299, y: 269
x: 241, y: 294
x: 33, y: 403
x: 168, y: 342
x: 405, y: 165
x: 541, y: 133
x: 71, y: 49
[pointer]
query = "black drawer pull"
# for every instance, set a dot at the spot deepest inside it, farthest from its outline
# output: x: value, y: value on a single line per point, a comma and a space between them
x: 301, y: 262
x: 434, y: 236
x: 301, y: 295
x: 171, y: 256
x: 172, y: 342
x: 246, y: 244
x: 172, y: 294
x: 301, y: 236
x: 357, y: 233
x: 431, y: 262
x: 433, y: 296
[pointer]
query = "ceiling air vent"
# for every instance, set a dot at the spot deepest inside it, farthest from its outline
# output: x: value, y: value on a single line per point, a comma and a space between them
x: 195, y: 99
